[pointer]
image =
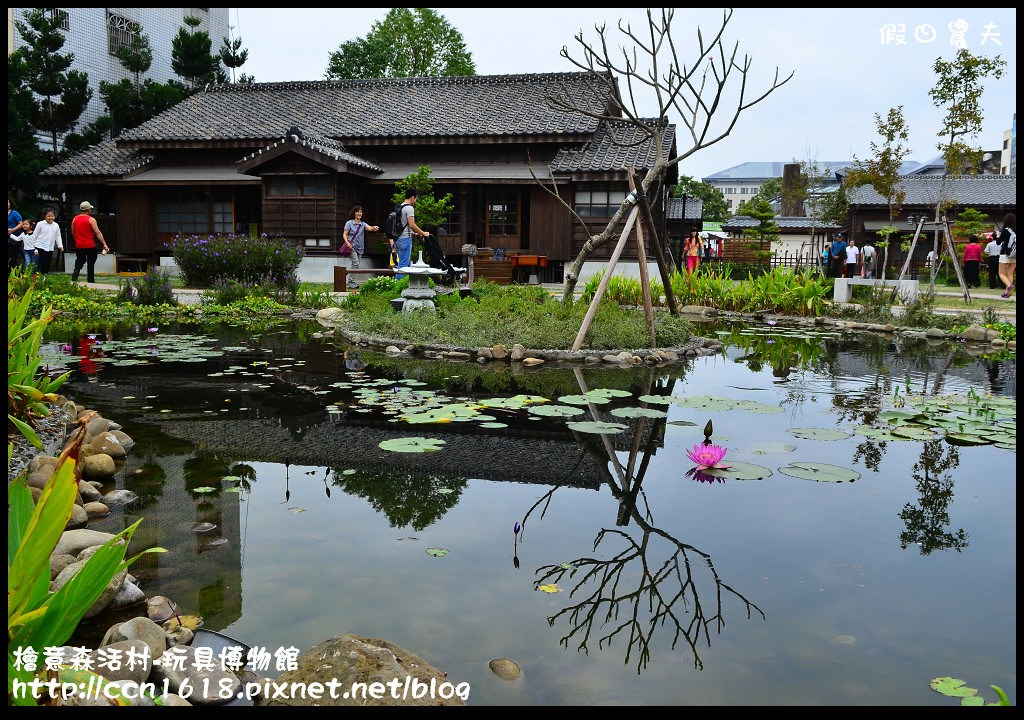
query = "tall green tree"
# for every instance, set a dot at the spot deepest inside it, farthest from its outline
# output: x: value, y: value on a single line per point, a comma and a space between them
x: 958, y: 91
x: 716, y: 209
x: 233, y: 55
x: 408, y: 42
x: 882, y: 169
x: 767, y: 231
x: 65, y: 93
x: 24, y: 158
x: 191, y: 56
x: 137, y: 56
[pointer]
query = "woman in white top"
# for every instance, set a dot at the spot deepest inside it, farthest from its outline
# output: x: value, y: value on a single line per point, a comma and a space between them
x: 851, y: 259
x: 45, y: 238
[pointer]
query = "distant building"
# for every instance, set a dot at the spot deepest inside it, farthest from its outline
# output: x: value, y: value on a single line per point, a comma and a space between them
x: 94, y: 34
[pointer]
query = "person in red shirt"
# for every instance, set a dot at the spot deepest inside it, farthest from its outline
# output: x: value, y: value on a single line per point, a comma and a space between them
x: 86, y: 232
x: 972, y: 262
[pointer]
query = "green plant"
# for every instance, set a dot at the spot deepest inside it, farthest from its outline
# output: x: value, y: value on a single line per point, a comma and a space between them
x: 153, y: 288
x: 954, y: 687
x: 250, y: 259
x: 28, y: 392
x: 37, y: 618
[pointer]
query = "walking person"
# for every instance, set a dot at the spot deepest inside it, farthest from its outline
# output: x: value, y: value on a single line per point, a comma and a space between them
x: 47, y: 239
x: 403, y: 244
x: 972, y: 262
x: 353, y: 238
x: 1008, y: 253
x: 692, y: 252
x: 15, y: 259
x: 852, y: 257
x: 867, y: 260
x: 992, y: 253
x: 86, y: 232
x: 28, y: 247
x: 838, y: 255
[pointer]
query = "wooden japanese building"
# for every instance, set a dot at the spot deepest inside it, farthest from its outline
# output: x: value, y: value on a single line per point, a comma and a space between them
x: 294, y: 158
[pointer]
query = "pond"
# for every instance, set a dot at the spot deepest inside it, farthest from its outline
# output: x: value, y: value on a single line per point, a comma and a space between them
x: 850, y: 555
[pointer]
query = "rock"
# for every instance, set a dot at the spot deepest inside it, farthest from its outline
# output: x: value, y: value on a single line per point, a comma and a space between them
x: 174, y: 700
x: 128, y: 595
x: 935, y: 333
x: 144, y: 630
x: 89, y: 493
x: 353, y: 658
x: 160, y: 609
x: 505, y: 668
x: 330, y: 315
x: 73, y: 542
x: 531, y: 361
x: 39, y: 477
x: 119, y: 498
x: 105, y: 597
x: 96, y: 509
x: 126, y: 442
x: 58, y: 563
x: 518, y: 352
x: 592, y: 360
x: 108, y: 444
x: 499, y: 352
x: 978, y: 333
x: 484, y: 353
x: 136, y: 671
x: 998, y: 342
x: 178, y: 635
x: 208, y: 684
x: 98, y: 466
x: 392, y: 350
x: 79, y: 518
x: 131, y: 690
x: 40, y: 461
x: 456, y: 355
x: 96, y: 426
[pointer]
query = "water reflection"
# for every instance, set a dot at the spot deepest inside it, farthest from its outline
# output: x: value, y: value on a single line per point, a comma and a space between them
x: 928, y: 520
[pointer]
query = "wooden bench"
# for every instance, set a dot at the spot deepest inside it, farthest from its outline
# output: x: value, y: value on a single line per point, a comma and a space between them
x: 486, y: 267
x: 341, y: 273
x: 842, y: 291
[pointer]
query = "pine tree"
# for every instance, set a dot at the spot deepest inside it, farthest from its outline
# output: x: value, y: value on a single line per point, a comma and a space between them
x: 24, y: 158
x: 65, y: 94
x: 191, y: 57
x: 233, y: 55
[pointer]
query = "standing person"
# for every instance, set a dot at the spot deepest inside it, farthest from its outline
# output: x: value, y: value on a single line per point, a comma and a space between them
x: 867, y: 260
x: 1008, y: 252
x: 403, y: 245
x: 838, y: 255
x: 692, y: 251
x: 46, y: 238
x: 14, y: 230
x: 28, y: 246
x: 972, y: 262
x: 826, y: 260
x: 353, y: 237
x: 852, y: 256
x: 992, y: 253
x: 86, y: 232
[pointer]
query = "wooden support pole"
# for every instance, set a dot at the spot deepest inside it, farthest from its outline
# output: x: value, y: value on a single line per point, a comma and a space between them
x: 645, y: 279
x: 666, y: 276
x: 603, y: 285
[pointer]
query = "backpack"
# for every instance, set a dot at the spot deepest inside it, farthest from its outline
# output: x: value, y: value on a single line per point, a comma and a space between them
x: 1011, y: 245
x: 393, y: 225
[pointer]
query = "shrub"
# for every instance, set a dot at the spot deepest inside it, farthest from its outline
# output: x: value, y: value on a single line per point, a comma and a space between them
x: 245, y: 258
x: 153, y: 288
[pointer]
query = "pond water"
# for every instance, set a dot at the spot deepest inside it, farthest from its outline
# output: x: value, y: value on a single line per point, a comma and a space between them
x: 851, y: 555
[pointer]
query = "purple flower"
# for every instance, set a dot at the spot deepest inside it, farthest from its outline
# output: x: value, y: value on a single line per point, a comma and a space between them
x: 701, y: 476
x: 152, y: 329
x: 707, y: 456
x: 516, y: 529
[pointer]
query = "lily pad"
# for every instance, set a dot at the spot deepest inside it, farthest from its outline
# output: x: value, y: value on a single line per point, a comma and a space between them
x: 637, y: 412
x: 513, y: 403
x: 437, y: 552
x: 819, y: 433
x: 739, y: 471
x: 412, y: 444
x: 555, y: 411
x: 913, y: 432
x: 658, y: 399
x: 596, y: 428
x: 965, y: 439
x: 819, y: 472
x: 204, y: 489
x: 953, y: 687
x: 552, y: 588
x: 610, y: 392
x: 494, y: 425
x: 584, y: 399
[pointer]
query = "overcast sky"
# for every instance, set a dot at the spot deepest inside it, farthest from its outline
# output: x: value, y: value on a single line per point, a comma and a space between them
x: 847, y: 65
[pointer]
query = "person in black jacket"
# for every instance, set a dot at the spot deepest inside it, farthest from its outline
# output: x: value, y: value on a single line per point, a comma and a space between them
x: 1008, y: 253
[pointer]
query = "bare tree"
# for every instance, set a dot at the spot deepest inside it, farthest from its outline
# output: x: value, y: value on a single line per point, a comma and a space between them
x: 709, y: 93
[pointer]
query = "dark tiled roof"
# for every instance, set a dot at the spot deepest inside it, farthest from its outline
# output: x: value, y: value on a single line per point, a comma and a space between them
x: 478, y: 106
x: 674, y: 208
x: 616, y: 145
x: 784, y: 223
x: 325, y: 146
x: 104, y: 159
x: 962, y: 189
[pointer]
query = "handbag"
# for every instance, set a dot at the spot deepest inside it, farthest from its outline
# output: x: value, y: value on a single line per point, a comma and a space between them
x: 345, y: 250
x: 394, y: 258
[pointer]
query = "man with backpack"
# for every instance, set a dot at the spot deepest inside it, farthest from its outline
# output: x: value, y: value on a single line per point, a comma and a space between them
x: 400, y: 237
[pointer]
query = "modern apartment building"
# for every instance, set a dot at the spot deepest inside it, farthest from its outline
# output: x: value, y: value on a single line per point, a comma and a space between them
x: 94, y: 34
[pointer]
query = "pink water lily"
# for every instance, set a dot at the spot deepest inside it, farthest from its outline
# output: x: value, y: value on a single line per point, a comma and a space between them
x: 707, y: 456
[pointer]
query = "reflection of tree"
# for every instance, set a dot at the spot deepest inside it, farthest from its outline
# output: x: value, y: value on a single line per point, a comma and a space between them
x: 147, y: 482
x: 639, y: 589
x: 926, y: 522
x: 416, y: 501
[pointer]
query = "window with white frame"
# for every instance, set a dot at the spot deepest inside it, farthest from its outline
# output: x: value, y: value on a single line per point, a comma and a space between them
x: 120, y: 32
x: 599, y: 199
x: 59, y: 15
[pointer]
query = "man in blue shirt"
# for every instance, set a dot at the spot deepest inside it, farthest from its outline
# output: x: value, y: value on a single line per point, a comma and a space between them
x: 14, y: 231
x: 838, y: 255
